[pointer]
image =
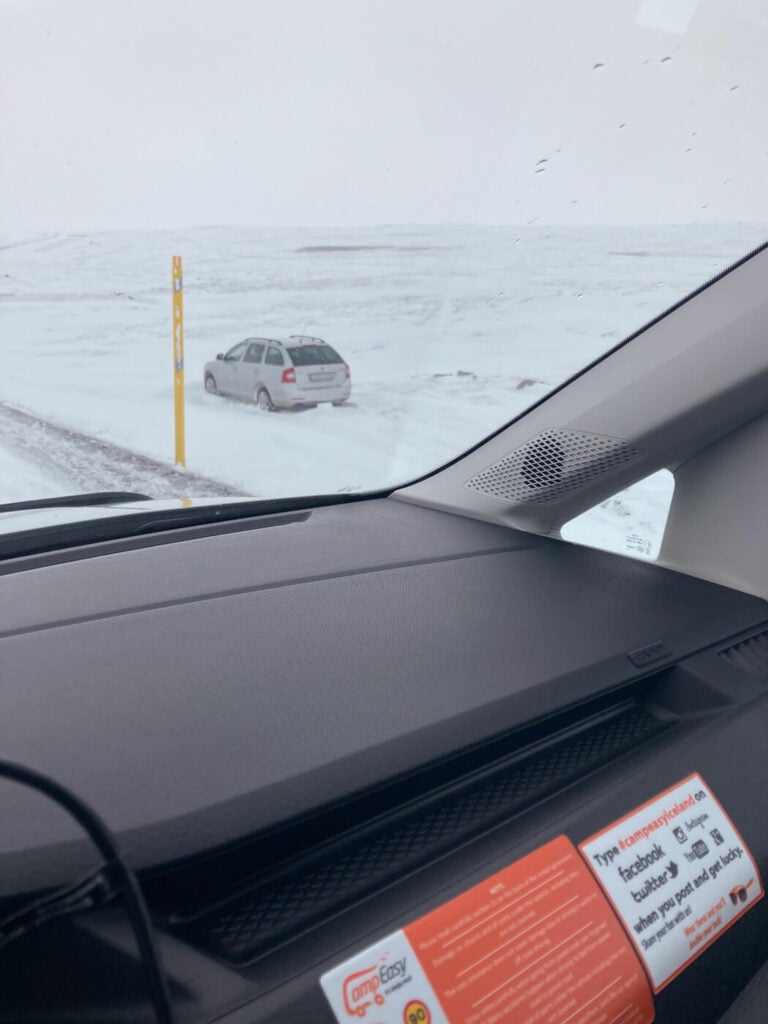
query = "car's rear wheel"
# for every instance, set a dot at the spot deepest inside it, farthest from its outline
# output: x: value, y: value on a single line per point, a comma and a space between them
x: 210, y: 384
x: 263, y: 401
x: 342, y: 401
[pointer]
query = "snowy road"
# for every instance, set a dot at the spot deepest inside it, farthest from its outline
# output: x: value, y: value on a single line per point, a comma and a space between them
x: 39, y: 458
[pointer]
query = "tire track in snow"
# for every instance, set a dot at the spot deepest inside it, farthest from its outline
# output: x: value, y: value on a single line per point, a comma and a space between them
x: 91, y: 464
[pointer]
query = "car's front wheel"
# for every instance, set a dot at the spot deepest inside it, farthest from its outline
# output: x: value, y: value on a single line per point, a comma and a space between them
x: 263, y: 401
x: 210, y: 384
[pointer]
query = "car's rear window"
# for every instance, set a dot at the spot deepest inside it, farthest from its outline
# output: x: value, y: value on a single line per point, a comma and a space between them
x: 311, y: 355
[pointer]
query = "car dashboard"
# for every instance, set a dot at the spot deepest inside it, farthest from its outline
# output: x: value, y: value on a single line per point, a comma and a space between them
x: 310, y: 728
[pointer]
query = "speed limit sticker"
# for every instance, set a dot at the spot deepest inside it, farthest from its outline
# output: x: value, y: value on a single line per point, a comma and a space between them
x: 417, y: 1012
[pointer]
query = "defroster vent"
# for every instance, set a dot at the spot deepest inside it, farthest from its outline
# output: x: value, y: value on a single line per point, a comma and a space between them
x: 240, y: 928
x: 750, y: 655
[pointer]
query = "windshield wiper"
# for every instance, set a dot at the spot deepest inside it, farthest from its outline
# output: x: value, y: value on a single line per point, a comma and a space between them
x: 187, y: 523
x: 76, y: 500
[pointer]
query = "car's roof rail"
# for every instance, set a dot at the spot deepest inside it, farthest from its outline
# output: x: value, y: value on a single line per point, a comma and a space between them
x: 306, y: 337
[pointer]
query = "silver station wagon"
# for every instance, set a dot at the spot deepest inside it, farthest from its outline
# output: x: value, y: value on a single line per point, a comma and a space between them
x: 279, y: 374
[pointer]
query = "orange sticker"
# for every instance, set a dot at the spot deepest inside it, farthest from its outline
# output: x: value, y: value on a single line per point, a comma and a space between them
x: 537, y: 942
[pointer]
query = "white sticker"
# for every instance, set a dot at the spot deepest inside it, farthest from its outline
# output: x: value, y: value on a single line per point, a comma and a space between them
x: 385, y: 984
x: 678, y: 874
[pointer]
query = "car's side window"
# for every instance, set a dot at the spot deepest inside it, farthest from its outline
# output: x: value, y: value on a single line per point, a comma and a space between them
x: 274, y: 356
x: 254, y: 353
x: 236, y: 352
x: 631, y: 522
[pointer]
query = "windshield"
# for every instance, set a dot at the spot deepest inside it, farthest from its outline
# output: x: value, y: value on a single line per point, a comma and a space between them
x: 470, y: 201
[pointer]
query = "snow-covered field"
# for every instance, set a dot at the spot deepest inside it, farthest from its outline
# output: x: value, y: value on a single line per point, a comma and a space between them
x: 449, y: 332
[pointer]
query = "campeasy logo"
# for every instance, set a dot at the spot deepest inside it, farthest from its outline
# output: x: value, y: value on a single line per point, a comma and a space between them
x: 362, y: 989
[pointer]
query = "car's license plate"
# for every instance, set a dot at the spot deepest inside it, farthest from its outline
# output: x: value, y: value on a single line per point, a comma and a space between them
x: 321, y: 376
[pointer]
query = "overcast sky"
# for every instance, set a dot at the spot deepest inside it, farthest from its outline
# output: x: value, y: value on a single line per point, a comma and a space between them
x: 170, y: 113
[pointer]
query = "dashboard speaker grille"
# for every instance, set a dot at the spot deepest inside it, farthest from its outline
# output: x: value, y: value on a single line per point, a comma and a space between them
x: 551, y: 466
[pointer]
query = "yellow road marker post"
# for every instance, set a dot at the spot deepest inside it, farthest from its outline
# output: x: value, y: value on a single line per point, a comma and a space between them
x: 178, y: 359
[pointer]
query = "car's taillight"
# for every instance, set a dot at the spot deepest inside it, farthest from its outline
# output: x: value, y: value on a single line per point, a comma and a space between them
x: 289, y: 376
x: 347, y: 374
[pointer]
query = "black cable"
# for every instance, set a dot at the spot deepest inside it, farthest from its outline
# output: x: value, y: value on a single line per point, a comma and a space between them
x: 89, y: 892
x: 124, y: 878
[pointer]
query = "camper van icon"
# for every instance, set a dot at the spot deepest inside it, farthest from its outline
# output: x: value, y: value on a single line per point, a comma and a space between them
x: 739, y: 893
x: 361, y: 990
